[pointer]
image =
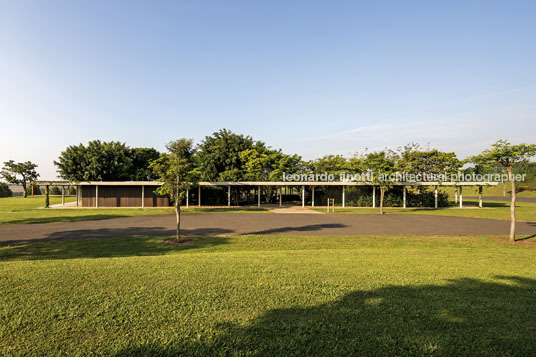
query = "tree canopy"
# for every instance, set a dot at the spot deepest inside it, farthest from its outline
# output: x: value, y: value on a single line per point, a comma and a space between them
x: 105, y: 161
x: 19, y: 173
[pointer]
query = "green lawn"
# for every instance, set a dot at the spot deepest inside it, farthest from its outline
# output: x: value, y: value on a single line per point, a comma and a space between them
x: 525, y: 211
x: 269, y: 295
x: 19, y: 210
x: 487, y: 191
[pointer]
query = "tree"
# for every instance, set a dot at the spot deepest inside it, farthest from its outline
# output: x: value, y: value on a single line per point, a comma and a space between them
x: 4, y: 190
x: 380, y: 165
x: 98, y: 161
x: 19, y: 173
x: 414, y: 160
x: 218, y: 156
x: 141, y: 159
x: 331, y: 164
x: 508, y: 156
x: 175, y: 170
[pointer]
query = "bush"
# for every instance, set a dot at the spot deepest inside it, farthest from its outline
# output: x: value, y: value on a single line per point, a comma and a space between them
x: 55, y: 191
x: 36, y: 190
x: 4, y: 190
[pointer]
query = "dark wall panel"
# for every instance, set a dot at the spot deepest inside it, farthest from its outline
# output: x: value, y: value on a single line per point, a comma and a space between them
x: 123, y: 196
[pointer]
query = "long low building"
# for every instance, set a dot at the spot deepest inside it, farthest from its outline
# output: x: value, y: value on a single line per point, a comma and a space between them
x: 141, y: 194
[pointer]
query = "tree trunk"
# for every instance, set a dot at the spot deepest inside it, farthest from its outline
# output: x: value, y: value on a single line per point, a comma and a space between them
x: 504, y: 189
x: 178, y: 214
x: 512, y: 206
x: 47, y: 199
x: 24, y: 188
x: 382, y: 191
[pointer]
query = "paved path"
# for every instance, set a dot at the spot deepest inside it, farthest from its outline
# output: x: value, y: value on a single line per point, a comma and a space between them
x: 262, y: 223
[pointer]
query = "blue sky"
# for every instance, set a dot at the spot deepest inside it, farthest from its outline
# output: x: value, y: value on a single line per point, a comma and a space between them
x: 309, y: 77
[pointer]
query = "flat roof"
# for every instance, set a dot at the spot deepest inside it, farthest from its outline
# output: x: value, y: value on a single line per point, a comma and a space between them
x: 285, y: 183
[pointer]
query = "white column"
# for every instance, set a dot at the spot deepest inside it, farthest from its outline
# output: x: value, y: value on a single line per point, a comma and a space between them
x: 303, y: 196
x: 404, y: 205
x: 258, y: 196
x: 77, y: 195
x: 280, y: 196
x: 228, y: 196
x: 461, y: 197
x: 96, y: 196
x: 142, y: 196
x: 373, y: 196
x: 480, y: 196
x: 435, y: 197
x: 312, y: 196
x: 63, y: 195
x: 343, y: 195
x: 187, y: 198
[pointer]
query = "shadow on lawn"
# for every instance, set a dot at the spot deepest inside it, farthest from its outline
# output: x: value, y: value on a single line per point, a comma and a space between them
x: 465, y: 317
x: 74, y: 218
x: 149, y: 241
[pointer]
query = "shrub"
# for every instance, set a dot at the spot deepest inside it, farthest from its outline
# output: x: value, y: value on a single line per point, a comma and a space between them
x: 36, y: 190
x: 4, y: 190
x: 55, y: 191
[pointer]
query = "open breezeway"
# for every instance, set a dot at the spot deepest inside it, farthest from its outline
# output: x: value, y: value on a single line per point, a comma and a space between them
x: 252, y: 223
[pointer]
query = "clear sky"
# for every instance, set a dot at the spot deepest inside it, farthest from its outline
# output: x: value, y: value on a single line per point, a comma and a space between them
x: 309, y: 77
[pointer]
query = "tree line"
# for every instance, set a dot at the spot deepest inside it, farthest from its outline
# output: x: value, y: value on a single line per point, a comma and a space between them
x: 227, y: 156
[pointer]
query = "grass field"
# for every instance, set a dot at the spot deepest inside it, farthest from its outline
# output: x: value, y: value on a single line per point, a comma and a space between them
x: 269, y: 295
x: 18, y: 210
x: 487, y: 191
x: 525, y: 211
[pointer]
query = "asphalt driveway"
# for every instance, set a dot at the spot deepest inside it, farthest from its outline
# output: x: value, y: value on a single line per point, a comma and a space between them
x: 259, y: 223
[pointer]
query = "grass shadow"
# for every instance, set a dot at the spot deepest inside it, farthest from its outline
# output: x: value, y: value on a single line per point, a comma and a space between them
x: 463, y: 317
x: 103, y: 248
x: 75, y: 218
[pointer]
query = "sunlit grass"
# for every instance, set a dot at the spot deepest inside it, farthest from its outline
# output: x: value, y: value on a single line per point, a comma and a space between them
x: 269, y: 295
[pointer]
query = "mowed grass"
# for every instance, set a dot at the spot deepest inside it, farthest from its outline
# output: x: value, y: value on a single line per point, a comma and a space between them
x: 269, y: 295
x: 525, y: 211
x: 19, y: 210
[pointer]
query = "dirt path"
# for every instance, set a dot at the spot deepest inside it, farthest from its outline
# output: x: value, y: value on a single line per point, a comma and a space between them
x: 253, y: 223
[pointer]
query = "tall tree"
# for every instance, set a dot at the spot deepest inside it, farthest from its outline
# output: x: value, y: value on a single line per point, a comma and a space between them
x: 380, y: 165
x: 19, y: 173
x: 176, y: 171
x: 98, y: 161
x: 415, y: 160
x: 141, y: 159
x: 219, y: 158
x: 508, y: 156
x: 331, y: 164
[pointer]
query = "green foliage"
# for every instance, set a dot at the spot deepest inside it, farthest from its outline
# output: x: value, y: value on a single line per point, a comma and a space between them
x: 331, y: 164
x: 175, y: 170
x: 55, y: 190
x: 218, y: 156
x: 98, y: 161
x: 414, y: 160
x: 4, y: 190
x: 106, y: 161
x: 505, y: 154
x: 19, y: 173
x: 141, y: 160
x: 380, y: 164
x: 36, y: 190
